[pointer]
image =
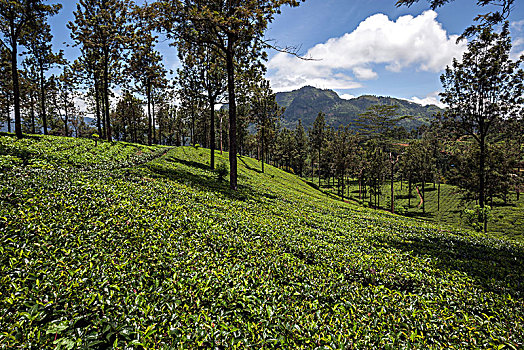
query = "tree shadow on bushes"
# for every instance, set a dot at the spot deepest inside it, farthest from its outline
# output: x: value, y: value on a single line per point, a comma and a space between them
x: 249, y: 167
x: 204, y: 179
x: 496, y: 267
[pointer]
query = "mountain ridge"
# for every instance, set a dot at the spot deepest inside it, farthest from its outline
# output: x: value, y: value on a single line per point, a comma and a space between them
x: 305, y: 104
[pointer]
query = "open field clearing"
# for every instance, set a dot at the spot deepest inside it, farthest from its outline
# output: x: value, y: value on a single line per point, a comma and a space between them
x: 507, y: 218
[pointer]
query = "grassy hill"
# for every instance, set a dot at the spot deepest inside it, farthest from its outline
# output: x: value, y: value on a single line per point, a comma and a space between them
x: 307, y: 102
x: 507, y: 219
x: 128, y: 246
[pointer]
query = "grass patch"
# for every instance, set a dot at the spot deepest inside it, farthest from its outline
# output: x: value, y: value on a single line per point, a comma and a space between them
x: 507, y: 220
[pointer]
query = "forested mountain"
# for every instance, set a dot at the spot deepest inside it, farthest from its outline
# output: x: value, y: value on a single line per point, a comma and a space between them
x: 306, y: 102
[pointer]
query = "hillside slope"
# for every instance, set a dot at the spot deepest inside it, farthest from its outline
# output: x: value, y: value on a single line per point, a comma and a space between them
x: 147, y: 248
x: 307, y: 102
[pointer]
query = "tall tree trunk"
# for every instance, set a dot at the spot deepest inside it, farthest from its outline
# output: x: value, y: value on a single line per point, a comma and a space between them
x: 103, y: 113
x: 482, y: 178
x: 392, y: 191
x: 230, y: 65
x: 160, y: 120
x: 424, y: 194
x: 153, y: 115
x: 438, y: 197
x: 262, y: 144
x: 220, y: 126
x: 97, y: 106
x: 377, y: 203
x: 360, y: 186
x: 409, y: 191
x: 66, y: 117
x: 42, y: 100
x: 312, y: 168
x: 149, y: 118
x: 8, y: 115
x: 212, y: 128
x: 342, y: 187
x: 319, y: 167
x: 378, y: 192
x: 16, y: 91
x: 106, y: 95
x: 193, y: 142
x: 33, y: 129
x: 133, y: 127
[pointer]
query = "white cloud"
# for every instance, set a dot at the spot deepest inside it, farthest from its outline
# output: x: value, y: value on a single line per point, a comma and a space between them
x: 347, y: 96
x: 339, y: 63
x: 516, y: 50
x: 517, y: 25
x: 518, y: 42
x: 364, y: 73
x: 430, y: 99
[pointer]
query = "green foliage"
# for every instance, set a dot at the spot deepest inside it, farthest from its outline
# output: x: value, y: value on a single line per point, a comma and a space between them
x: 486, y: 20
x: 222, y: 171
x: 485, y: 70
x: 100, y: 251
x: 476, y: 216
x: 507, y: 218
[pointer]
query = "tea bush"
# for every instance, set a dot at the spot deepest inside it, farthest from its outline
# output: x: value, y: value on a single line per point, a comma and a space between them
x: 128, y: 246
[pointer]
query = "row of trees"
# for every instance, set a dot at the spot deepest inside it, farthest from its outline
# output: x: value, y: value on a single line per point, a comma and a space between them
x: 339, y: 157
x: 115, y: 46
x: 220, y: 43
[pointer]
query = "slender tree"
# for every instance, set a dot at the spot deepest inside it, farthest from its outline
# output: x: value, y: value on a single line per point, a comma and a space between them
x: 301, y: 143
x: 39, y: 45
x: 145, y: 63
x: 63, y: 98
x: 235, y: 28
x: 482, y: 90
x: 265, y: 113
x: 5, y: 87
x: 29, y: 77
x: 103, y: 26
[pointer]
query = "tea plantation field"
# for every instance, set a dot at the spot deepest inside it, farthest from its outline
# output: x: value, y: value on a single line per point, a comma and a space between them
x: 125, y: 246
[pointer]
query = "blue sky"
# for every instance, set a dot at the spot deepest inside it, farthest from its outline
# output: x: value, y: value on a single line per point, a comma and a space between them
x: 358, y: 47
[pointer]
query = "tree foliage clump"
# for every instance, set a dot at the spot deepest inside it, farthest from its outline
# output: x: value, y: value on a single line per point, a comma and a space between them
x: 483, y: 91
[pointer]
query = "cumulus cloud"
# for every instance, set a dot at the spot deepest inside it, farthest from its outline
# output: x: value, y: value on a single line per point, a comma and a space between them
x: 347, y: 96
x: 340, y: 63
x: 430, y: 99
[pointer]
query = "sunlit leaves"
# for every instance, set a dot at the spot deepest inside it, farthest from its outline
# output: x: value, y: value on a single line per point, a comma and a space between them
x: 162, y: 254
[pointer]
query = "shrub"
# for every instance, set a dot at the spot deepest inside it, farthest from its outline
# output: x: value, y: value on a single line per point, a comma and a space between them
x: 401, y: 210
x: 477, y: 216
x: 95, y: 137
x: 221, y: 171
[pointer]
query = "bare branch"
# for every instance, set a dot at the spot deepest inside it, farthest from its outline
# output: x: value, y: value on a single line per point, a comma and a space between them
x: 291, y: 50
